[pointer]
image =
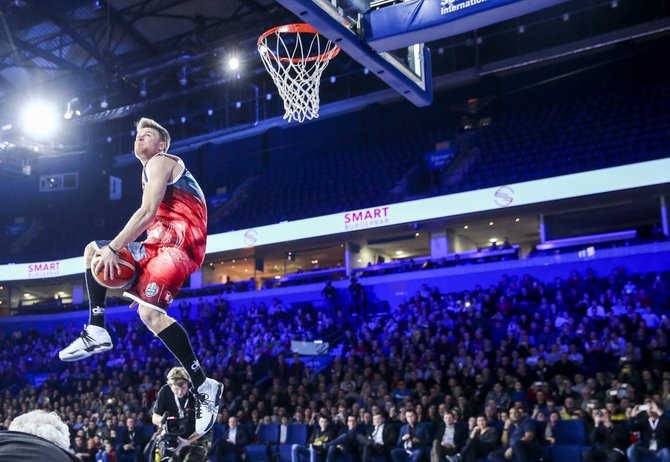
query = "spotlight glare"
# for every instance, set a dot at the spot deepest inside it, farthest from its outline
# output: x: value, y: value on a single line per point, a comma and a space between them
x: 233, y: 63
x: 39, y: 119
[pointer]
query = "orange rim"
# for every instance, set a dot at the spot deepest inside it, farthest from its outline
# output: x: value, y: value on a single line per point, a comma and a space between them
x: 296, y: 29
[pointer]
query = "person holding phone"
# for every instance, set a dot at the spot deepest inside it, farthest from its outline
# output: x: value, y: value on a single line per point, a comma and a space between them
x: 608, y: 441
x: 654, y: 428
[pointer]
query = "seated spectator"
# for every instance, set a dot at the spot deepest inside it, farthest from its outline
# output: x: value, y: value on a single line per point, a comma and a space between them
x: 608, y: 441
x: 80, y: 449
x: 554, y: 417
x: 380, y: 440
x: 131, y: 443
x: 654, y: 428
x: 36, y: 436
x: 106, y: 453
x: 449, y: 439
x: 499, y: 397
x: 519, y: 440
x: 413, y: 441
x: 483, y: 439
x: 346, y: 442
x: 316, y: 449
x: 232, y: 443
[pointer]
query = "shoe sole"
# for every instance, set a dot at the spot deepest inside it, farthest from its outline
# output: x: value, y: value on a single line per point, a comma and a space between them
x: 85, y: 353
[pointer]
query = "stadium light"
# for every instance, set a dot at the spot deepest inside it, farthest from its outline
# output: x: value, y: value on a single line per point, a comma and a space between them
x: 233, y: 63
x: 40, y: 119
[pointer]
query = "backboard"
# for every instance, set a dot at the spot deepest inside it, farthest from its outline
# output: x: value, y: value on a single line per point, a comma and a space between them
x: 389, y: 37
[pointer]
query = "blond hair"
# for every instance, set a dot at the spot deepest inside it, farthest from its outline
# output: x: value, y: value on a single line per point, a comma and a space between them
x: 176, y: 374
x: 163, y: 134
x: 47, y: 425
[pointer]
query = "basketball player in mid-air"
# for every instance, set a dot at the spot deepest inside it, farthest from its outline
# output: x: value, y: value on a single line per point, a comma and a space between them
x: 174, y: 215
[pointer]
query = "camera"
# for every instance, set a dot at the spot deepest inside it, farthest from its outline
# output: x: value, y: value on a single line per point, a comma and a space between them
x: 175, y: 425
x: 168, y: 441
x: 644, y: 407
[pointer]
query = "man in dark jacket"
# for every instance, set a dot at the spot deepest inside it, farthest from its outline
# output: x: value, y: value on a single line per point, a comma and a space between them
x: 413, y: 441
x: 609, y: 441
x: 346, y: 442
x: 380, y: 439
x: 654, y: 429
x: 21, y: 444
x: 449, y: 439
x: 233, y: 441
x: 131, y: 443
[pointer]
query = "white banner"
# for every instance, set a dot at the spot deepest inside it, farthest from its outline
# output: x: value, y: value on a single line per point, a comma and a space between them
x: 531, y: 192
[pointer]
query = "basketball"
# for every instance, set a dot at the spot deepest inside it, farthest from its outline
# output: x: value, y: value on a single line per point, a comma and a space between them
x: 127, y: 266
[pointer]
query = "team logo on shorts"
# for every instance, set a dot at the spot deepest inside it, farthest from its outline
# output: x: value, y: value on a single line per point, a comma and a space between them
x: 152, y: 289
x: 168, y: 297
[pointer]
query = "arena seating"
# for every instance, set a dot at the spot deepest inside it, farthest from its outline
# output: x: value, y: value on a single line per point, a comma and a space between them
x: 504, y: 328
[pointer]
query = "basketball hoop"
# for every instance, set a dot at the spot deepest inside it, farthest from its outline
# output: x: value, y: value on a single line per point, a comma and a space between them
x: 295, y: 55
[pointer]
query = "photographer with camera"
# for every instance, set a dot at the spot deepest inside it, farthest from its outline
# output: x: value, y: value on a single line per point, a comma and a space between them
x: 609, y: 441
x: 174, y: 415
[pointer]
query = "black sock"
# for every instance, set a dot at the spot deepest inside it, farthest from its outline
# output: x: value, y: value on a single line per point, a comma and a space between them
x: 97, y: 300
x: 176, y: 339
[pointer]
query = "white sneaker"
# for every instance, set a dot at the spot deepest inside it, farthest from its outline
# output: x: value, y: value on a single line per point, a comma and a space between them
x: 91, y: 340
x: 208, y: 397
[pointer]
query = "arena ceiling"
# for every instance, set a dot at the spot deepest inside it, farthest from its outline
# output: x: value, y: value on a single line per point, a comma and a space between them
x: 95, y: 49
x: 111, y: 60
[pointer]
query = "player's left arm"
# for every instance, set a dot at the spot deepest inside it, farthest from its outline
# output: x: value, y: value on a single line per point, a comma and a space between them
x: 159, y: 172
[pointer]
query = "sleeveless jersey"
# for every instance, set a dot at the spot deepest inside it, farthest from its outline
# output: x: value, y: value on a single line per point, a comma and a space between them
x: 181, y: 220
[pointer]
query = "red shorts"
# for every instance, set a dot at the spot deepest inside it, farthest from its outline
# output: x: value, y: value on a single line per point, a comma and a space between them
x: 161, y: 273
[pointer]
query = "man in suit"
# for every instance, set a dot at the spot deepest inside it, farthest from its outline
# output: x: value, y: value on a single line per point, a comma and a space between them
x: 131, y: 443
x: 379, y: 440
x: 449, y: 439
x: 413, y: 441
x: 232, y: 443
x: 654, y: 428
x: 608, y: 441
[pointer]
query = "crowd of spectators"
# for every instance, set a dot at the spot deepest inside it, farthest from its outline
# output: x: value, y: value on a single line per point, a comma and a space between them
x: 514, y: 358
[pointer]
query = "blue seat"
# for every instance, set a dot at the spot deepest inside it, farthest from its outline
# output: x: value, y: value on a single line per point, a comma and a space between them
x: 295, y: 434
x: 217, y: 432
x: 268, y: 435
x: 569, y: 432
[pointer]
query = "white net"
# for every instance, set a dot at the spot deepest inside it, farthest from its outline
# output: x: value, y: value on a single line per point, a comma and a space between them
x: 295, y: 56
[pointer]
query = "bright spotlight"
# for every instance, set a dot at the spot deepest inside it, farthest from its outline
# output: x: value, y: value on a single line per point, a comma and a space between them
x: 233, y: 63
x: 39, y: 119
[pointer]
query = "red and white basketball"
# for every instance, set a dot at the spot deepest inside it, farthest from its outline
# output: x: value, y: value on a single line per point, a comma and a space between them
x: 127, y: 267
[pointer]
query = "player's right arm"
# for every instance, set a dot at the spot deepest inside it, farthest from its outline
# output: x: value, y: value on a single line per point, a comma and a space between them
x: 159, y: 171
